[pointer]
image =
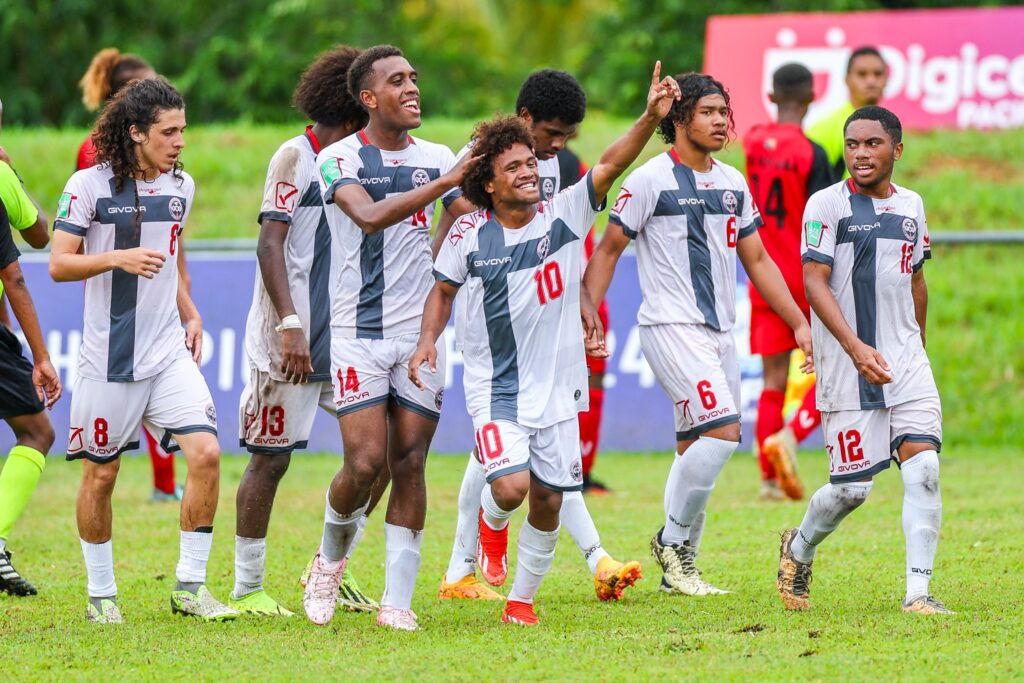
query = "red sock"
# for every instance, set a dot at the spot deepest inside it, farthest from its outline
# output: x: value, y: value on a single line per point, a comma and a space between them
x: 163, y: 465
x: 769, y: 421
x: 590, y: 429
x: 807, y: 418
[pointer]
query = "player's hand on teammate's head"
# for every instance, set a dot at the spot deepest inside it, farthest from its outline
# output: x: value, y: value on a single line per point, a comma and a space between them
x: 870, y: 364
x: 425, y: 354
x: 296, y: 367
x: 803, y: 340
x: 47, y: 382
x: 194, y: 338
x: 460, y: 168
x: 663, y: 92
x: 140, y: 261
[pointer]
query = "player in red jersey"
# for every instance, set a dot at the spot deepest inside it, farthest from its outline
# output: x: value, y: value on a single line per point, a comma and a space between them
x: 109, y: 72
x: 784, y: 168
x: 571, y: 169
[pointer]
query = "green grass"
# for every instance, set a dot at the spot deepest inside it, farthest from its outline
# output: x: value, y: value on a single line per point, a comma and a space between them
x: 969, y: 180
x: 855, y: 630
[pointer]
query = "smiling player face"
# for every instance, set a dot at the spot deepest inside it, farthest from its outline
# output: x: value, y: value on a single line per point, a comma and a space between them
x: 709, y: 128
x: 160, y: 147
x: 516, y: 180
x: 395, y: 93
x: 870, y: 153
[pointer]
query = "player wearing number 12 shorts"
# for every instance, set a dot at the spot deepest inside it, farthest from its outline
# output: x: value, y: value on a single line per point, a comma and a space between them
x: 691, y: 215
x: 864, y: 253
x: 784, y: 169
x: 117, y: 228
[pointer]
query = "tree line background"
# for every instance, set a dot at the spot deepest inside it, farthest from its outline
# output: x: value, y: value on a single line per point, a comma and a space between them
x: 240, y: 59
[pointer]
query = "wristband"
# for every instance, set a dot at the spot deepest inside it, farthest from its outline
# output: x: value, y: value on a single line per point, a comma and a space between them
x: 289, y: 322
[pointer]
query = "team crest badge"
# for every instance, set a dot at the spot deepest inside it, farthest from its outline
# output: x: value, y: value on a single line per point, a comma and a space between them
x: 439, y: 399
x: 211, y: 414
x: 543, y: 246
x: 577, y: 471
x: 910, y: 228
x: 420, y: 177
x: 729, y: 200
x: 176, y: 207
x: 547, y: 189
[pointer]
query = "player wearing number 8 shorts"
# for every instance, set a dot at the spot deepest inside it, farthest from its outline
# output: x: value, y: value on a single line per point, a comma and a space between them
x: 691, y: 216
x: 117, y: 228
x: 519, y: 260
x: 864, y: 247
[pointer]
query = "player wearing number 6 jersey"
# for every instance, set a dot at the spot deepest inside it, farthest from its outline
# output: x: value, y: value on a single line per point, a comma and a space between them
x: 117, y: 228
x: 864, y: 252
x: 525, y: 372
x: 691, y: 215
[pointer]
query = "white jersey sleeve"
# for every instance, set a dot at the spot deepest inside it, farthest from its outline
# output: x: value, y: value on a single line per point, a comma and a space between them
x: 819, y: 228
x: 922, y: 244
x: 451, y: 265
x: 750, y: 216
x: 77, y: 207
x: 578, y: 206
x: 287, y: 179
x: 632, y: 211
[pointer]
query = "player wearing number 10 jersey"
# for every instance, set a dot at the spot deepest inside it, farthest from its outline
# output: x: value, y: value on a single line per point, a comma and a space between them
x: 784, y: 169
x: 864, y: 253
x: 691, y: 216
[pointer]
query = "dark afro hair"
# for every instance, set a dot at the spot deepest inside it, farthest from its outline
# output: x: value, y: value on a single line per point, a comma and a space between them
x: 792, y: 82
x: 862, y: 52
x: 322, y: 93
x: 693, y: 86
x: 491, y: 138
x: 361, y: 71
x: 890, y: 122
x: 550, y: 95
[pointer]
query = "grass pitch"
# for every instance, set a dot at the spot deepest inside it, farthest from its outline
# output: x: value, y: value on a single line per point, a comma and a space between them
x: 854, y: 631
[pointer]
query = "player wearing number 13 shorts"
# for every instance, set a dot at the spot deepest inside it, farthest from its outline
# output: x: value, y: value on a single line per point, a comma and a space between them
x: 864, y: 248
x: 691, y: 216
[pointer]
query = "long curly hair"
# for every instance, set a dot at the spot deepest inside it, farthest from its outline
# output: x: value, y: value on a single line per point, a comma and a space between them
x: 109, y: 71
x: 323, y: 95
x: 491, y: 138
x: 693, y: 87
x: 140, y: 104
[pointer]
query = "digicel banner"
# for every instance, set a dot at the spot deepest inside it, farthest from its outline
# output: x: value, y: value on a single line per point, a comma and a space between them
x: 957, y: 68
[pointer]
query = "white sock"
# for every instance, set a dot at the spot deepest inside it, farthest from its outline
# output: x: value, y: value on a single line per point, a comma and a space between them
x: 922, y: 517
x: 575, y: 518
x: 467, y: 530
x: 357, y: 536
x: 536, y: 553
x: 697, y: 532
x: 494, y: 516
x: 250, y: 565
x: 690, y: 484
x: 99, y: 567
x: 339, y: 531
x: 193, y: 556
x: 402, y: 548
x: 828, y: 507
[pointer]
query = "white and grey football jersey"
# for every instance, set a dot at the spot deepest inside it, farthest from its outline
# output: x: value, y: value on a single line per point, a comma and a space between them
x: 380, y: 282
x: 292, y: 195
x: 873, y: 247
x: 131, y: 326
x: 686, y: 225
x: 522, y: 342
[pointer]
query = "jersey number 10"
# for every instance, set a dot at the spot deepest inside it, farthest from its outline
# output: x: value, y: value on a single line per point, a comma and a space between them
x: 549, y: 282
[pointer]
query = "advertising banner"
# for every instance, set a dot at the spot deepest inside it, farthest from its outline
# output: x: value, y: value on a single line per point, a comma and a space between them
x: 637, y: 414
x: 953, y: 68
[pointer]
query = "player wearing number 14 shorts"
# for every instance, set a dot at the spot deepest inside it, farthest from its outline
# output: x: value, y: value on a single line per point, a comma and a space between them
x: 691, y: 215
x: 864, y: 252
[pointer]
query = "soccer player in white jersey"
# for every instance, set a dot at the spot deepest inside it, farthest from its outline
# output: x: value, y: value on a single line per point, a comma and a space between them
x: 864, y: 247
x: 691, y: 216
x: 287, y: 335
x: 525, y: 371
x: 117, y: 228
x: 381, y: 185
x: 552, y: 104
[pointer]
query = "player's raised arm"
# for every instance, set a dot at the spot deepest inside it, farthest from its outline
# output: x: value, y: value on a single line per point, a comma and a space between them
x: 436, y: 312
x: 624, y: 151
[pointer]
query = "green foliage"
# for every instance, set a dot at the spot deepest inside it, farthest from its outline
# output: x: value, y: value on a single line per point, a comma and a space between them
x: 855, y: 624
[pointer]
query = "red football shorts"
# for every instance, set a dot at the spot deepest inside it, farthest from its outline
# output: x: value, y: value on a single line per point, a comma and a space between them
x: 769, y: 333
x: 598, y: 365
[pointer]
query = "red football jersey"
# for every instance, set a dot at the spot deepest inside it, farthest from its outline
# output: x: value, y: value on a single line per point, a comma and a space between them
x: 784, y: 169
